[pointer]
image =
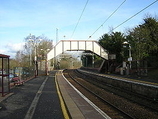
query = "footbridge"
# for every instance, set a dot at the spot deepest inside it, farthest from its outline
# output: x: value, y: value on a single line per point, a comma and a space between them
x: 77, y: 45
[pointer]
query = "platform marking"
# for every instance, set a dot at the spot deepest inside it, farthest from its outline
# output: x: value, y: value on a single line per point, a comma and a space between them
x: 63, y: 107
x: 124, y: 79
x: 32, y: 108
x: 90, y: 102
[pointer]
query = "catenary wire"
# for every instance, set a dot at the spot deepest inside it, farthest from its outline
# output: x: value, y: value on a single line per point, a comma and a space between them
x: 79, y: 18
x: 135, y: 14
x: 107, y: 18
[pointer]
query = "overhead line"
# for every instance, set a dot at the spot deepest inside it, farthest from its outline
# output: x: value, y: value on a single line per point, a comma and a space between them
x: 135, y: 14
x: 79, y: 18
x: 107, y: 18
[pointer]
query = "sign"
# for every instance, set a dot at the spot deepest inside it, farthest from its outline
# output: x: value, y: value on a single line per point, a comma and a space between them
x: 130, y: 59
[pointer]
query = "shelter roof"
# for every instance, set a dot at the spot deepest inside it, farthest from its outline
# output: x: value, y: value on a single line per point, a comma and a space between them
x: 4, y: 56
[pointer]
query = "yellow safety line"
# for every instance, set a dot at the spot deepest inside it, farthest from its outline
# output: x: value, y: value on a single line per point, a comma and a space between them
x: 63, y: 107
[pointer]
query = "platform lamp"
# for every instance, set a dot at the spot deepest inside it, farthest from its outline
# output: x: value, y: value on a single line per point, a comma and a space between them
x: 130, y: 55
x: 46, y: 62
x: 35, y: 41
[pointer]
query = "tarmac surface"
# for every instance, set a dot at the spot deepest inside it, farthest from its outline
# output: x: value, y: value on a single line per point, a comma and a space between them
x: 48, y: 97
x: 37, y: 99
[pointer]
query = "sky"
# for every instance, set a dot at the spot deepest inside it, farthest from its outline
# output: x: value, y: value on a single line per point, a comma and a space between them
x: 19, y: 18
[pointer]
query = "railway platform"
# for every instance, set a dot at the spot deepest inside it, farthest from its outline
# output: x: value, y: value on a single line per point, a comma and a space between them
x: 78, y: 106
x: 71, y: 102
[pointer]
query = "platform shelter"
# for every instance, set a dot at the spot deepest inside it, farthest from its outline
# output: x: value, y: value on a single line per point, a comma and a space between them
x: 4, y: 74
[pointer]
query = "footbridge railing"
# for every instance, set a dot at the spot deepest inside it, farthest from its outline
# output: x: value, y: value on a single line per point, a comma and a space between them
x: 77, y: 45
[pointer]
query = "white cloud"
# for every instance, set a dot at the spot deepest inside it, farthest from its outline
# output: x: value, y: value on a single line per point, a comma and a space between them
x: 2, y: 51
x: 6, y: 52
x: 14, y: 47
x: 11, y: 49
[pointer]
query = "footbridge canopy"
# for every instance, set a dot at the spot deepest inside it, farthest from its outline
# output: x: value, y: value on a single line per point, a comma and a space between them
x: 77, y: 45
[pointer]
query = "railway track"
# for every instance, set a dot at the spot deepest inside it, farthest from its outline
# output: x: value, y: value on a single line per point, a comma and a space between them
x: 114, y: 106
x: 104, y: 105
x: 136, y: 98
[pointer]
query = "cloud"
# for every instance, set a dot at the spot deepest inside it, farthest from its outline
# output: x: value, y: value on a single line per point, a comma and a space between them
x: 2, y: 51
x: 13, y: 48
x: 6, y: 52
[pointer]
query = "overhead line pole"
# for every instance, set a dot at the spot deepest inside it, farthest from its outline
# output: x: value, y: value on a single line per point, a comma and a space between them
x: 56, y: 35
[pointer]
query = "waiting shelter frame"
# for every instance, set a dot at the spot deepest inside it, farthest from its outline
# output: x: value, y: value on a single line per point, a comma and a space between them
x: 4, y: 74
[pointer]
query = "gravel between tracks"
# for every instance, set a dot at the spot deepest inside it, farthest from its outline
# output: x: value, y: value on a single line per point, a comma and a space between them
x: 135, y: 110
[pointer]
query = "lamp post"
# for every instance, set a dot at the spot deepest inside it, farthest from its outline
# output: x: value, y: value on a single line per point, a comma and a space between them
x: 130, y: 55
x: 34, y: 42
x: 46, y: 62
x: 36, y: 65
